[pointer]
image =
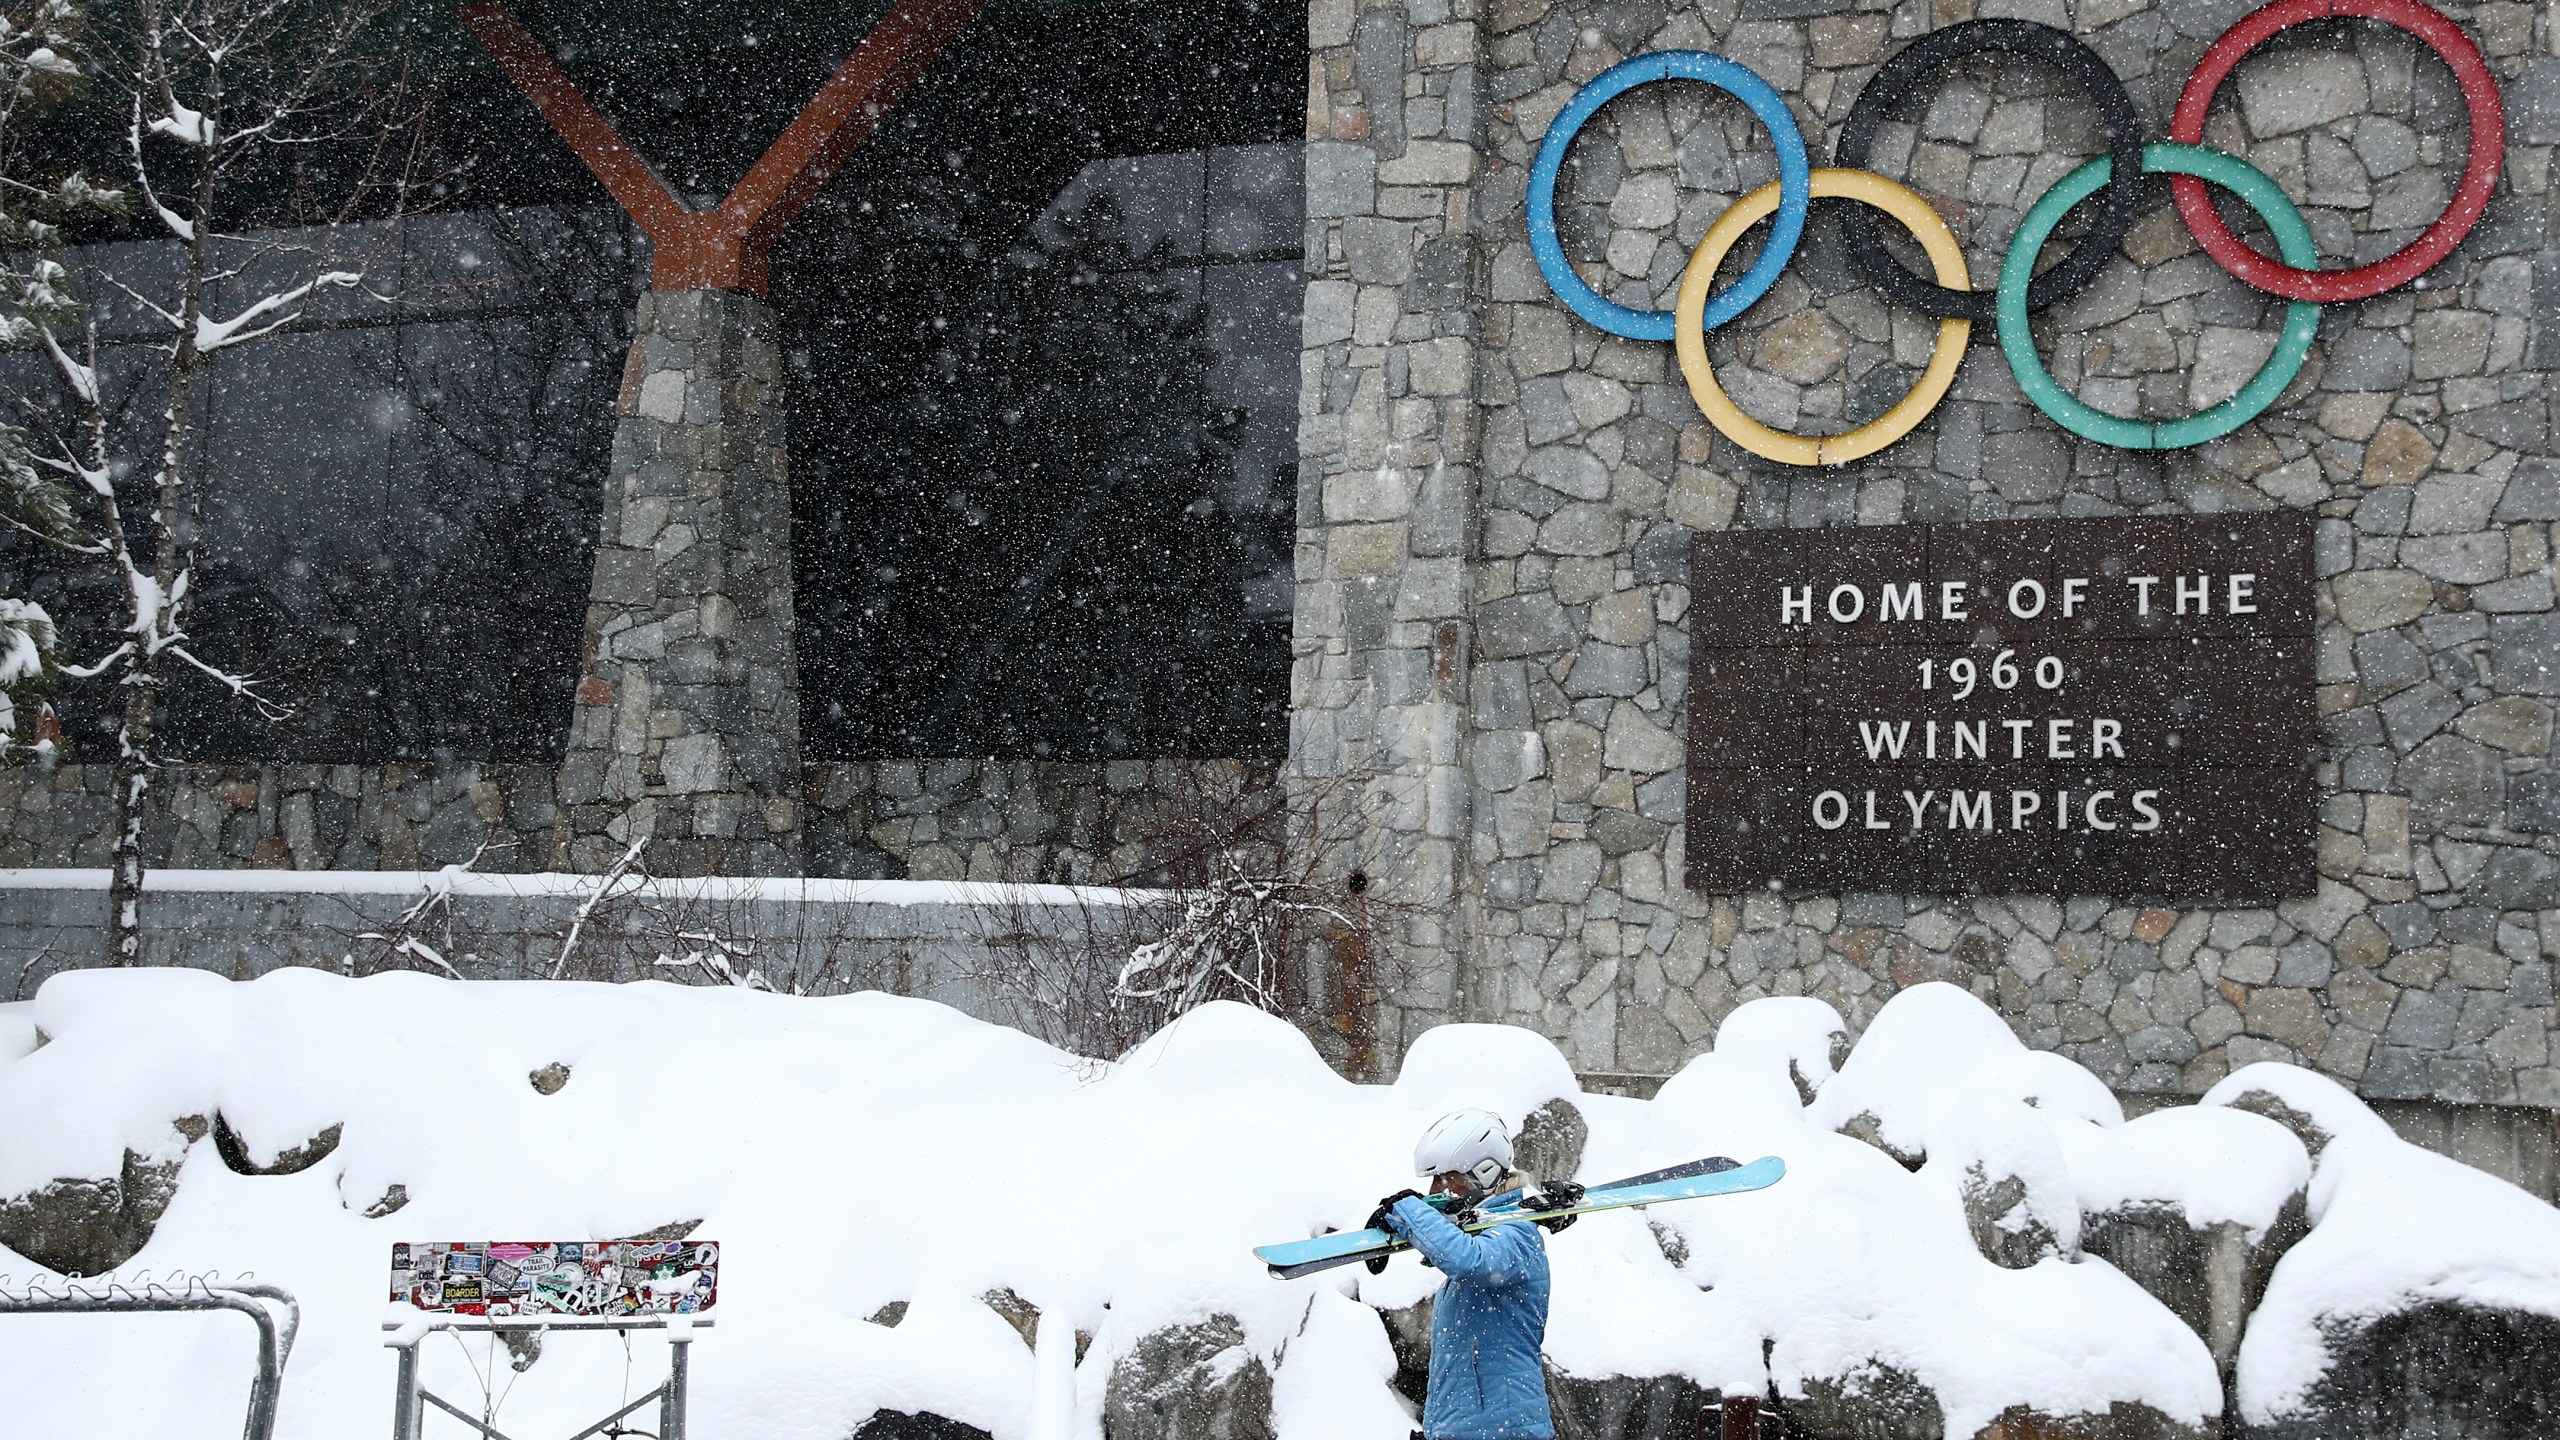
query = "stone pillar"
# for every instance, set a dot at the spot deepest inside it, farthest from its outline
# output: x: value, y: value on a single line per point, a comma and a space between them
x: 687, y: 727
x: 1387, y: 457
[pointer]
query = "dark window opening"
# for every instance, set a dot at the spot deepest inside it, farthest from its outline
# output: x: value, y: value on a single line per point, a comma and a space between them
x: 1043, y: 344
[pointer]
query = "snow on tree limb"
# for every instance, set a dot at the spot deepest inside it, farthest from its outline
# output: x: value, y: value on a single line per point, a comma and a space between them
x: 269, y: 314
x: 82, y: 380
x: 89, y: 672
x: 176, y: 223
x: 242, y: 686
x: 187, y: 127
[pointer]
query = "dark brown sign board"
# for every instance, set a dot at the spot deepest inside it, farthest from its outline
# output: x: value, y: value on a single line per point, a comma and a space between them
x: 2082, y: 707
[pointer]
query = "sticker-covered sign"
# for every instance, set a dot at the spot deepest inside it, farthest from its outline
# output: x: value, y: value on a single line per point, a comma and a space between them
x: 575, y: 1279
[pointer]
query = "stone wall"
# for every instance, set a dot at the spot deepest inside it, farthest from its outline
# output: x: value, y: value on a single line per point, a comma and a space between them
x: 1496, y: 501
x: 1021, y: 820
x: 1062, y: 822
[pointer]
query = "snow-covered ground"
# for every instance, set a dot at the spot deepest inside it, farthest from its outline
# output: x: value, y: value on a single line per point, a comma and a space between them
x: 863, y: 1150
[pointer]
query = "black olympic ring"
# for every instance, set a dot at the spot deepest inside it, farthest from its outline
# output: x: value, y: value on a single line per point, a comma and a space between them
x: 2118, y: 205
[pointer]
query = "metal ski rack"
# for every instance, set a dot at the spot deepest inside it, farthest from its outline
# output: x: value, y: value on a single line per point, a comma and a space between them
x: 408, y: 1413
x: 109, y: 1295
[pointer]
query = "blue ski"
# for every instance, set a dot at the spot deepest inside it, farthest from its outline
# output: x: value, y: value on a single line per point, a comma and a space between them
x: 1305, y: 1257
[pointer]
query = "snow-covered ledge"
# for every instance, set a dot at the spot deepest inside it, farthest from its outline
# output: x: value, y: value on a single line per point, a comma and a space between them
x: 1021, y: 954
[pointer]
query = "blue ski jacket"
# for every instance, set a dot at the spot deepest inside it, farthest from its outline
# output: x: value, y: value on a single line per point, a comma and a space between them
x: 1487, y: 1382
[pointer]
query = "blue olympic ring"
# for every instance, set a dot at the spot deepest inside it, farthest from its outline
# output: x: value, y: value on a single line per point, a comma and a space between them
x: 1795, y: 190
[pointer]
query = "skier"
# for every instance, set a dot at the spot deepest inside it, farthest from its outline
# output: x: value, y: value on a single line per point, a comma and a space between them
x: 1487, y: 1382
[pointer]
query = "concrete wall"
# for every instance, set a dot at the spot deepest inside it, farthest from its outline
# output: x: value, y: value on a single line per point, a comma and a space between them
x: 1015, y: 954
x: 1496, y: 501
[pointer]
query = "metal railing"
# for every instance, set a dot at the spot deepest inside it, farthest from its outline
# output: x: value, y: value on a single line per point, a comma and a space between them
x: 110, y: 1295
x: 410, y: 1396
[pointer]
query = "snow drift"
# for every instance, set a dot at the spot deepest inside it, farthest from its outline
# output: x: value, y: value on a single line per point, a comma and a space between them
x: 921, y: 1212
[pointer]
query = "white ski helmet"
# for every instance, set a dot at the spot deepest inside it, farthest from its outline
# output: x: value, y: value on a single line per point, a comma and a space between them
x: 1473, y: 1141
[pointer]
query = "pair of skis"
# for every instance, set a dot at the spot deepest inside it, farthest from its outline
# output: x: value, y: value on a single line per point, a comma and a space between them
x: 1714, y: 1175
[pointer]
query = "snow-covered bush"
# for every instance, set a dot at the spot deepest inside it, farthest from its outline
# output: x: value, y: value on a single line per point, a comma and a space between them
x: 927, y: 1215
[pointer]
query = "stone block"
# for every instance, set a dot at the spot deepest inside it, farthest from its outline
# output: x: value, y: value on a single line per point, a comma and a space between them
x: 2376, y: 599
x: 1606, y: 670
x: 1580, y: 530
x: 2525, y: 594
x: 1429, y: 162
x: 2533, y: 803
x: 2453, y: 504
x: 2533, y: 492
x: 2387, y: 662
x: 2423, y: 1020
x: 623, y: 577
x: 1522, y: 625
x: 2519, y: 879
x: 2533, y: 104
x: 1541, y: 341
x: 2367, y: 360
x: 2449, y: 342
x: 2026, y: 466
x: 1634, y: 742
x: 1326, y: 319
x: 662, y: 396
x: 2524, y: 653
x: 1441, y: 367
x: 1569, y: 470
x: 1377, y: 252
x: 1569, y: 871
x: 2452, y: 781
x: 2458, y: 559
x: 1503, y: 760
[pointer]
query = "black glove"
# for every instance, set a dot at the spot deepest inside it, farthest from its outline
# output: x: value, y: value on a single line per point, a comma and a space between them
x: 1378, y: 1217
x: 1378, y: 1221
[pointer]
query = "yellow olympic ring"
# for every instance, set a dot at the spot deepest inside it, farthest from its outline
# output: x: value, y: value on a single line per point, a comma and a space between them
x: 1690, y: 335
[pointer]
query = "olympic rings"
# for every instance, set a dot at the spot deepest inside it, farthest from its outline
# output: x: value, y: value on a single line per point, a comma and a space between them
x: 2020, y: 290
x: 1737, y: 80
x: 1923, y: 61
x: 1945, y: 257
x: 2301, y: 317
x: 2300, y: 280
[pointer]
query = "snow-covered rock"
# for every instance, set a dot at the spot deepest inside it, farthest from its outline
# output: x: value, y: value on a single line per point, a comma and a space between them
x: 1940, y: 1083
x: 1935, y: 1044
x: 2424, y: 1300
x: 2196, y: 1203
x: 938, y: 1227
x: 1191, y: 1382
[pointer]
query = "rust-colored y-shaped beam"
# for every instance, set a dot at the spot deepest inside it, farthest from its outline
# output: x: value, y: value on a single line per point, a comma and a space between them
x: 725, y: 248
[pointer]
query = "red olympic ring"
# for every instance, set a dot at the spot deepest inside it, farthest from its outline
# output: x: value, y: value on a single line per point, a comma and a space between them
x: 2479, y: 175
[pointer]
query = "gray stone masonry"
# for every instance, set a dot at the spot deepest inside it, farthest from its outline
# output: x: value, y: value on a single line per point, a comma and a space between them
x: 1040, y: 821
x: 1051, y: 822
x: 687, y: 729
x: 1387, y: 443
x: 1496, y: 501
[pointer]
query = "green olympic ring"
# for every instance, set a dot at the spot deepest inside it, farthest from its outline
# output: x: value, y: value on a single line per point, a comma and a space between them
x: 2293, y: 346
